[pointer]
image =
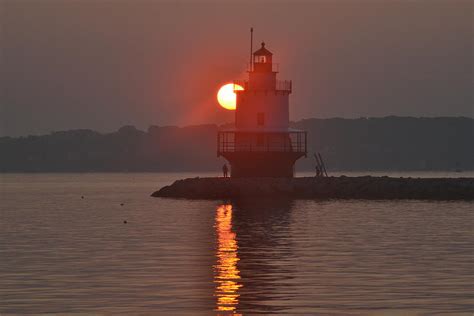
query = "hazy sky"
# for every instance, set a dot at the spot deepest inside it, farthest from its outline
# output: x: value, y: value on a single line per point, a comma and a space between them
x: 102, y: 64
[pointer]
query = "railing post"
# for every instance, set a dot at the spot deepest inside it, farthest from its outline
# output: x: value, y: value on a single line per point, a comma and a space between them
x: 218, y: 144
x: 267, y: 141
x: 305, y: 143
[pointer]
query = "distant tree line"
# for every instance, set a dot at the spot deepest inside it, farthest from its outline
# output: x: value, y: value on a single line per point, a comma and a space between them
x: 389, y: 143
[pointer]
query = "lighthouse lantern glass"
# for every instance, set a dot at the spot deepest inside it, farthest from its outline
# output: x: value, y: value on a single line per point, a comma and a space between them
x: 260, y: 59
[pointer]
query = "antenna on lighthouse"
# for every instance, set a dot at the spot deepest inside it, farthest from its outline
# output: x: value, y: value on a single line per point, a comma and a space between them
x: 251, y: 48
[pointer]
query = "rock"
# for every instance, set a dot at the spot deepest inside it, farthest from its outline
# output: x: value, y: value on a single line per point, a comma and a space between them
x: 343, y: 187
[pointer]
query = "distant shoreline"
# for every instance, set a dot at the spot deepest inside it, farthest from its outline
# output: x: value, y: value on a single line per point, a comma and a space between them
x: 309, y: 172
x: 389, y: 143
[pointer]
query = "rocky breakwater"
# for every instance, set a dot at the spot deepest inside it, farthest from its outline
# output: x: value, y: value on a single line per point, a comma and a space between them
x: 322, y: 188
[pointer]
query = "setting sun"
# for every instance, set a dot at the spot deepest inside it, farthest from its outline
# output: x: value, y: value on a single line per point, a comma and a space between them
x: 227, y: 97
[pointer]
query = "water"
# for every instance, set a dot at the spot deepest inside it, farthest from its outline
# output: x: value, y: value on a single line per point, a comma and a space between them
x: 60, y: 253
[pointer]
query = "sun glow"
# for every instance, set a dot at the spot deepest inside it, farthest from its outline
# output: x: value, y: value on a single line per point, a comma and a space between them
x: 227, y: 97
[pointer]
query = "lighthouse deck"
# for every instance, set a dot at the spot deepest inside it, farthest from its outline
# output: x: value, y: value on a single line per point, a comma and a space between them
x: 262, y: 141
x: 280, y: 86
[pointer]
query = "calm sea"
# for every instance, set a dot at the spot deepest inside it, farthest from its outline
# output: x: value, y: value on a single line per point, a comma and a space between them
x: 64, y: 248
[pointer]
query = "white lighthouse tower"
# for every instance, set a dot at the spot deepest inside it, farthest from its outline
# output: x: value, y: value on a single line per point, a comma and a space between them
x: 262, y: 143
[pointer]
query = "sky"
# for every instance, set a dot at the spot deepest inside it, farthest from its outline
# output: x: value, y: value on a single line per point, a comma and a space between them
x: 102, y: 64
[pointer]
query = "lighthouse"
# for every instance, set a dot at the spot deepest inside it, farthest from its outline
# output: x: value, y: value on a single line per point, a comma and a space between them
x: 262, y: 144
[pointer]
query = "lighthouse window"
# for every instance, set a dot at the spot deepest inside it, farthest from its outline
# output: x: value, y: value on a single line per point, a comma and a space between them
x: 260, y: 119
x: 260, y: 59
x: 260, y: 140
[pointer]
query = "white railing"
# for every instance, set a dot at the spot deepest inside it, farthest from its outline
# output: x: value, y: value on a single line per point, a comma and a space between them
x: 280, y: 85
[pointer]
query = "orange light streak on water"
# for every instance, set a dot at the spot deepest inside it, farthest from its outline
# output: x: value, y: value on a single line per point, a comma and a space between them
x: 226, y: 272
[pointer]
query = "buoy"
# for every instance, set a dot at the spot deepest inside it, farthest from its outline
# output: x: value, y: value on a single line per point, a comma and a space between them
x: 82, y: 196
x: 121, y: 204
x: 125, y: 222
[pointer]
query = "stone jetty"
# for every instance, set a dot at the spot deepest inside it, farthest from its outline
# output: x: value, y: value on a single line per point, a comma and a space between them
x: 342, y: 187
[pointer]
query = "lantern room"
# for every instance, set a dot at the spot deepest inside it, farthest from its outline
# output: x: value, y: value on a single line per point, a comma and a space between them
x: 262, y: 60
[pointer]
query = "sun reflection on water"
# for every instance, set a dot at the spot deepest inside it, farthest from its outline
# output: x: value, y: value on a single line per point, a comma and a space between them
x: 226, y: 273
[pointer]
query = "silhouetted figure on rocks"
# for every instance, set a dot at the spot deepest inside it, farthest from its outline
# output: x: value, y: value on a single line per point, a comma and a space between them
x: 319, y: 172
x: 225, y: 170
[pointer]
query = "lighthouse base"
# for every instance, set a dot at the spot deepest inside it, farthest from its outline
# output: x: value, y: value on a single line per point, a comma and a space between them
x: 264, y: 164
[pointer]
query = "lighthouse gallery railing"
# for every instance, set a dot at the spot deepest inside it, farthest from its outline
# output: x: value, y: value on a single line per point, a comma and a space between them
x: 280, y: 85
x: 232, y: 141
